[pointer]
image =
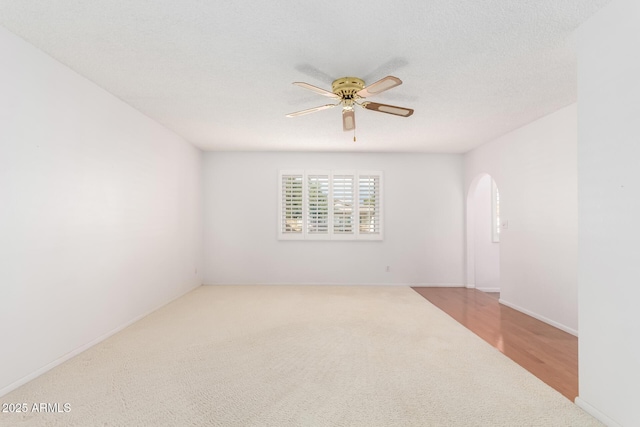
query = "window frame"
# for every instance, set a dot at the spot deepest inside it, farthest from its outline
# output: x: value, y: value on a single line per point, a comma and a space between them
x: 357, y: 235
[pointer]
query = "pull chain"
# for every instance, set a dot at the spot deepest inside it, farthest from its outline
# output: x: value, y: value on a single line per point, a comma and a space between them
x: 354, y: 134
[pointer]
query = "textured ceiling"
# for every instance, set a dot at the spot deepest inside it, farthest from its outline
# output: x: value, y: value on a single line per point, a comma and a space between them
x: 220, y: 73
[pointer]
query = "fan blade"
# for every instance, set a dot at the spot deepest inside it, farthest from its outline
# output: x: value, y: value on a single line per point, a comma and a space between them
x: 348, y: 120
x: 311, y: 110
x: 379, y: 86
x: 317, y: 90
x: 389, y: 109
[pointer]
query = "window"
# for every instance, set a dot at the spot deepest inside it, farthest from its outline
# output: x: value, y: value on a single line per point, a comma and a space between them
x: 336, y: 205
x: 291, y: 186
x: 369, y: 204
x: 317, y: 204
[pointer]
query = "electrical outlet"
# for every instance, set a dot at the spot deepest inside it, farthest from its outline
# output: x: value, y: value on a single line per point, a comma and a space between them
x: 388, y: 269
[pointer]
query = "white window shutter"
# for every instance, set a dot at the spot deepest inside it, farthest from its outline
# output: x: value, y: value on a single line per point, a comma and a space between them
x: 495, y: 213
x: 322, y: 204
x: 344, y: 204
x: 317, y: 204
x: 370, y: 205
x: 291, y: 206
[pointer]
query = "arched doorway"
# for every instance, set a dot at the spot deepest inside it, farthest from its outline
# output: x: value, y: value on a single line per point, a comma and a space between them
x: 483, y: 234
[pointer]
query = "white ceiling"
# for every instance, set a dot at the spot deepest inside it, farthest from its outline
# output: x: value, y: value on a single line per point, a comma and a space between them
x: 220, y: 73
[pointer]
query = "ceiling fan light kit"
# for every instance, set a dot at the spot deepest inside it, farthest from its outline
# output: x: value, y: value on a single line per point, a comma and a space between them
x: 348, y: 120
x: 348, y: 91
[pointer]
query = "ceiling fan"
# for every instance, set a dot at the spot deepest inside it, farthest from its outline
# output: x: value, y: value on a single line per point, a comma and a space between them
x: 348, y: 91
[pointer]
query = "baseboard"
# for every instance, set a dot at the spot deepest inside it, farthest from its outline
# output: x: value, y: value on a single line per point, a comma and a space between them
x: 439, y: 285
x: 82, y: 348
x: 489, y: 289
x: 540, y: 318
x: 413, y: 285
x: 589, y: 409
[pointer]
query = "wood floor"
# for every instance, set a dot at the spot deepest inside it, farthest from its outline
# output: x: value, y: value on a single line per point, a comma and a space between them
x: 547, y: 352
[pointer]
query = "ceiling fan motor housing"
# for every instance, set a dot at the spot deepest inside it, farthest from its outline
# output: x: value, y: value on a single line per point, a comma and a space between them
x: 346, y: 88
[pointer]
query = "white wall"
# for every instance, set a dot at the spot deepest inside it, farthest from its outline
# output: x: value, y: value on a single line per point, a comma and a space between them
x: 535, y: 169
x: 423, y: 208
x: 609, y: 212
x: 100, y: 213
x: 487, y: 252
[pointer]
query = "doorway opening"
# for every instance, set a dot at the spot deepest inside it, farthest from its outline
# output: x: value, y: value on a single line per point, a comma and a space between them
x: 483, y: 235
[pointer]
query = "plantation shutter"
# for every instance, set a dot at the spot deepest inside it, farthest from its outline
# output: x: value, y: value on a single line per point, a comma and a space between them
x: 369, y: 205
x: 317, y: 204
x: 323, y: 204
x: 344, y: 218
x: 291, y: 205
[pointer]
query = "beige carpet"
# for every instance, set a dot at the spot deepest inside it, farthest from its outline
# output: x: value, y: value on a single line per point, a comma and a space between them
x: 295, y: 356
